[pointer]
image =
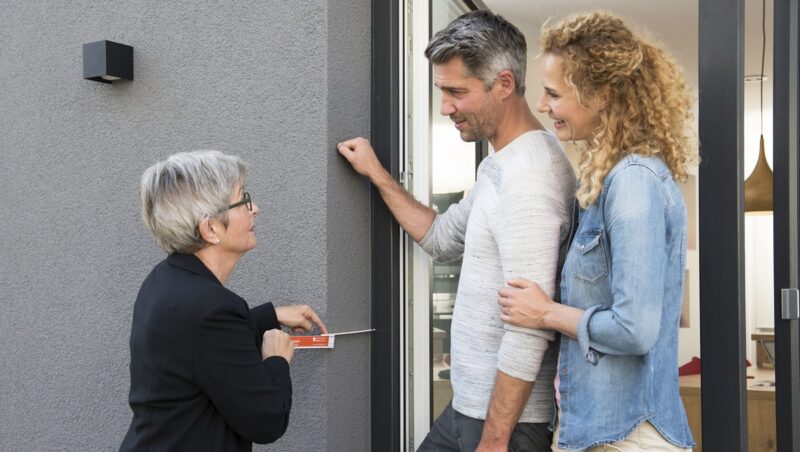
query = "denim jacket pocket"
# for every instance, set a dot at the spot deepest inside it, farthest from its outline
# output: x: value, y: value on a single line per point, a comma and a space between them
x: 591, y: 264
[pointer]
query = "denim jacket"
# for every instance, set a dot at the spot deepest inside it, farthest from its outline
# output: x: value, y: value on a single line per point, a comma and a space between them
x: 625, y: 269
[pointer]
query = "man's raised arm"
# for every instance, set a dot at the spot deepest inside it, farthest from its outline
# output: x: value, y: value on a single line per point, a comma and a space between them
x: 413, y: 217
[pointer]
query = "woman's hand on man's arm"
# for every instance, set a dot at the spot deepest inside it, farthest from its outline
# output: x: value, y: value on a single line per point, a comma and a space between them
x: 525, y: 304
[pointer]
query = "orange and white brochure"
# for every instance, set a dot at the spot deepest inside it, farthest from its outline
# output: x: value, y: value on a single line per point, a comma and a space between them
x: 323, y: 340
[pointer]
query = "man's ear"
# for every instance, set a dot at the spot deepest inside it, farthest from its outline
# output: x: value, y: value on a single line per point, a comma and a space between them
x: 507, y: 83
x: 208, y: 230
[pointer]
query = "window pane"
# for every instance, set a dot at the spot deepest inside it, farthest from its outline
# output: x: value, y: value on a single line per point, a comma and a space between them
x: 452, y: 174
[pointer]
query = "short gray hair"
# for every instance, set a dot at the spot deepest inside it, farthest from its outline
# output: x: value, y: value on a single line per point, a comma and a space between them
x: 179, y: 192
x: 487, y: 43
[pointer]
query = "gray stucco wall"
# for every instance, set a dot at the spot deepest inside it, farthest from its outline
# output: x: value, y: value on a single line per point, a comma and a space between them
x: 276, y: 82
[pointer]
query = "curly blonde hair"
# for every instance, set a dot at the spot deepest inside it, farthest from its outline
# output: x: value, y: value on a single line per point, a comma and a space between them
x: 649, y: 104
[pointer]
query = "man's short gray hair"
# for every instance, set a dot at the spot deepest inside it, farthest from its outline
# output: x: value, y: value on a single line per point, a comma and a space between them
x: 179, y: 192
x: 486, y: 42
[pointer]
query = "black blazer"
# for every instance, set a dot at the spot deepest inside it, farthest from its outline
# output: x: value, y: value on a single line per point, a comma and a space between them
x: 197, y: 378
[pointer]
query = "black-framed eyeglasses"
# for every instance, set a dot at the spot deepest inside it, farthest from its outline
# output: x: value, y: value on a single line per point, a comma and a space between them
x: 245, y: 201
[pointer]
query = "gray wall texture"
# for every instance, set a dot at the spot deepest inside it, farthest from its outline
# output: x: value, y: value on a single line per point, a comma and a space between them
x: 276, y: 82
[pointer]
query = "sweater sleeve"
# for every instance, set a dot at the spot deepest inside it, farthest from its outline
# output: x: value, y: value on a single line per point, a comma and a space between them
x: 444, y: 240
x: 528, y: 225
x: 254, y: 396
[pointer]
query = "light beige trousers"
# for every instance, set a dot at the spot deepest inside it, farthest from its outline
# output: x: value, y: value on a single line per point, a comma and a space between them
x: 645, y: 437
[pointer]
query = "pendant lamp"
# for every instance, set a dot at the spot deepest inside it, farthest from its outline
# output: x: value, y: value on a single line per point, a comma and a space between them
x: 758, y: 185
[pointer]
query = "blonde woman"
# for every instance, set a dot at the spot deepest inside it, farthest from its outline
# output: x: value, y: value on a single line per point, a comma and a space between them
x: 621, y: 283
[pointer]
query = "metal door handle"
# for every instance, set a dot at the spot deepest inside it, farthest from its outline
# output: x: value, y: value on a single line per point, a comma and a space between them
x: 790, y: 304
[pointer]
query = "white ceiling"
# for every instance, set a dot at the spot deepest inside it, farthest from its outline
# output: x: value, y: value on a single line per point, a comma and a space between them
x: 673, y: 23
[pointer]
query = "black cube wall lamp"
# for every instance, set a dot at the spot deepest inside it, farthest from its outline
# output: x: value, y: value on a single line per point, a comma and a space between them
x: 106, y: 61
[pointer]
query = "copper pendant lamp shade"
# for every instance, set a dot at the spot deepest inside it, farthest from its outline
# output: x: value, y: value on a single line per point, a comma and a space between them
x: 758, y: 186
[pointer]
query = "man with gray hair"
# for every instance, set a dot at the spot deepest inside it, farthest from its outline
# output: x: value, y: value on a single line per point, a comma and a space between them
x: 514, y: 222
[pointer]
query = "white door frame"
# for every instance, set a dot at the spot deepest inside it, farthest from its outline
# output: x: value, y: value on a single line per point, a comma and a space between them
x: 417, y: 265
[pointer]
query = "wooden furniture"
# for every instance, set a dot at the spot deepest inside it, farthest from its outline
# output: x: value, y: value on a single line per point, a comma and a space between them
x: 765, y: 349
x: 760, y: 409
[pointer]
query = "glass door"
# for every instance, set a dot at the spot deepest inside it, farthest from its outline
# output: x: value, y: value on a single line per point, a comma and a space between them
x: 749, y: 247
x: 729, y: 298
x: 453, y: 168
x: 443, y: 169
x: 786, y: 357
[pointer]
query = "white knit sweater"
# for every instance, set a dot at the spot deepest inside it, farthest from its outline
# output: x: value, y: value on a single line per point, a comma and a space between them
x: 514, y: 223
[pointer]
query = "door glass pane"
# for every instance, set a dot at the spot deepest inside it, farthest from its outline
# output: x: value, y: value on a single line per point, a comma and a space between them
x: 452, y: 174
x: 759, y: 316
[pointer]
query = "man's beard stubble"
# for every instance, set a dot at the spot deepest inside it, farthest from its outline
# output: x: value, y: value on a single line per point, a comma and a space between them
x: 481, y: 125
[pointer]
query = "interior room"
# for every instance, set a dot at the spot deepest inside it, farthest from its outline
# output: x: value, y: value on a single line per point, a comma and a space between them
x: 675, y: 26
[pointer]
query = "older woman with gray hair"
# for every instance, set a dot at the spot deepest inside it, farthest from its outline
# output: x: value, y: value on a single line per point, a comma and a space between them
x: 207, y: 372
